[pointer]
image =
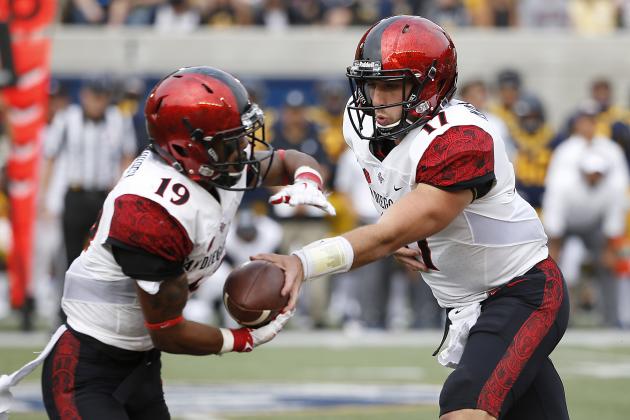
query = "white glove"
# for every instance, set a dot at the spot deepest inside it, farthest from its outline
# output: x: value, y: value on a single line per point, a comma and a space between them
x: 246, y: 339
x: 306, y: 189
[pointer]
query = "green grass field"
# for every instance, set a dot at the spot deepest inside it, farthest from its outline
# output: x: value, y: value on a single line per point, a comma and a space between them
x: 597, y: 380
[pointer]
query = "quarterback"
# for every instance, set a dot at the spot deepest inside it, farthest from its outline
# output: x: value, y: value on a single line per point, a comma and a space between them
x: 162, y: 232
x: 440, y: 177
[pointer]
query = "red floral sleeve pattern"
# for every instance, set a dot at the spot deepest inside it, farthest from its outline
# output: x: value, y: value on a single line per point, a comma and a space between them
x: 141, y: 223
x: 457, y: 159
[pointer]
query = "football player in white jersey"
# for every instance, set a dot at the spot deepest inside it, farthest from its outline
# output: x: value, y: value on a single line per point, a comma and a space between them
x: 161, y: 232
x: 439, y: 175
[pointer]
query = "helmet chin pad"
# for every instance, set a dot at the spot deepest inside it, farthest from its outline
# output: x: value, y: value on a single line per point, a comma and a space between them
x: 388, y: 126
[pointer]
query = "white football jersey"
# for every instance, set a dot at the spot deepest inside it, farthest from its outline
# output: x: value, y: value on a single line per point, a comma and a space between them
x: 497, y: 237
x: 150, y: 200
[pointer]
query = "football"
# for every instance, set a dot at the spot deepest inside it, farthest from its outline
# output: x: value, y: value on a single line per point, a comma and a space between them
x: 251, y: 293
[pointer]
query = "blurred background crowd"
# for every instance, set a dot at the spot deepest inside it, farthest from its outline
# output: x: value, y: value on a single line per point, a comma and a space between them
x: 575, y: 172
x: 587, y: 16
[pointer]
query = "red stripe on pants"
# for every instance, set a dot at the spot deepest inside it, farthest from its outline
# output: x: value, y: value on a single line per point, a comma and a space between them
x: 64, y: 368
x: 525, y: 342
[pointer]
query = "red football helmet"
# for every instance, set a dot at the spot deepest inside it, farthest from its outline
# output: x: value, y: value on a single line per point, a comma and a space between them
x: 413, y: 50
x: 200, y: 120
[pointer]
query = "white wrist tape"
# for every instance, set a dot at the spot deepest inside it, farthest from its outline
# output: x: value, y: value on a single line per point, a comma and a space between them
x: 308, y: 173
x: 326, y: 256
x: 228, y: 340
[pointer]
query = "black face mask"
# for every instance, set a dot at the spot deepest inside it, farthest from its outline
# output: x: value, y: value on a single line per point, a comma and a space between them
x: 229, y: 161
x: 361, y: 106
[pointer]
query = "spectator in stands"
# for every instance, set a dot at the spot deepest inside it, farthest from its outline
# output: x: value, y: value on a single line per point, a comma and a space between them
x: 364, y: 13
x: 85, y: 12
x: 303, y: 224
x: 609, y: 113
x: 503, y: 13
x: 142, y: 12
x: 543, y: 13
x: 509, y: 86
x: 273, y: 14
x: 534, y: 142
x: 58, y: 99
x: 93, y: 142
x: 307, y: 12
x: 586, y: 182
x: 449, y: 13
x: 132, y: 96
x: 82, y: 12
x: 341, y: 16
x: 593, y: 16
x: 328, y: 113
x: 295, y: 130
x: 479, y: 12
x: 221, y: 13
x: 475, y: 92
x: 177, y: 16
x: 258, y: 198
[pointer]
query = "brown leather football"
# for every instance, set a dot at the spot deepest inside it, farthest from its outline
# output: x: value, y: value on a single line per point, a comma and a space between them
x: 251, y: 293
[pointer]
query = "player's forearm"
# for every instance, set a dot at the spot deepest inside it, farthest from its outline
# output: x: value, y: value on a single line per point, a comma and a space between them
x: 188, y: 337
x: 283, y: 168
x: 369, y: 243
x: 406, y: 222
x: 394, y: 230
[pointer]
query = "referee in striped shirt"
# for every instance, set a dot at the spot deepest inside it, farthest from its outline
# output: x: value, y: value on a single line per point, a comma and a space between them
x: 90, y: 145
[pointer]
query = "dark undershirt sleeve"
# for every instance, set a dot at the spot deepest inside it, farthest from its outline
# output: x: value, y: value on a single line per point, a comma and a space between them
x: 146, y: 241
x: 141, y: 265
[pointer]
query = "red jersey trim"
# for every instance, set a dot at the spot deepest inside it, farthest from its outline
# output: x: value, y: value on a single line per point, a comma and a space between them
x: 142, y: 223
x: 460, y: 155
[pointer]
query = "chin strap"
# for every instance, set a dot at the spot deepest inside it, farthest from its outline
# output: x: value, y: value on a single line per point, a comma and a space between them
x: 168, y: 158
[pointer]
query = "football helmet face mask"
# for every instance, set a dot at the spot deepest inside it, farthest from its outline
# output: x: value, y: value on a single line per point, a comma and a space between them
x: 200, y: 121
x: 412, y: 51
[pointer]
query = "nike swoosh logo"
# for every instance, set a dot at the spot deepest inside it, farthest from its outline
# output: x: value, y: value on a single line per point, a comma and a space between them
x: 397, y: 189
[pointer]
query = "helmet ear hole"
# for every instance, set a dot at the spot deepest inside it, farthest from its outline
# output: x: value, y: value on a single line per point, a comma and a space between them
x: 180, y: 150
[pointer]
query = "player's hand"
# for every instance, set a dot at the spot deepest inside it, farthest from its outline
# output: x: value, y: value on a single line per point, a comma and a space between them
x: 410, y: 258
x: 293, y: 275
x: 246, y: 339
x: 306, y: 189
